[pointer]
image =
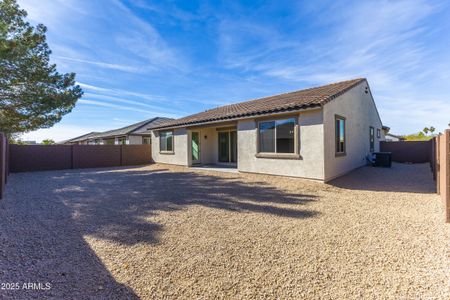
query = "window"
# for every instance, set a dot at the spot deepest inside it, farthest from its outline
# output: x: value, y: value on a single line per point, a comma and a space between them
x: 378, y: 133
x: 146, y: 140
x: 340, y: 135
x: 277, y: 136
x: 166, y: 141
x: 372, y: 138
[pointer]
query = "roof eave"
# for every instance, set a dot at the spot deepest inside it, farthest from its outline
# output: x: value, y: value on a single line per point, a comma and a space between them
x: 240, y: 117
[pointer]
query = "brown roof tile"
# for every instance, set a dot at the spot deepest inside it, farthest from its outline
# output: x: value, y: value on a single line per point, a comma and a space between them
x: 307, y: 98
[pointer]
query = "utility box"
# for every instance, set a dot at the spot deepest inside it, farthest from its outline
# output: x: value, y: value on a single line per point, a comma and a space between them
x: 382, y: 159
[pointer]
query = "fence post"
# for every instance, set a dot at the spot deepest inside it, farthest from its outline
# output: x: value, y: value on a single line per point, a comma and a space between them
x: 71, y: 156
x: 447, y: 175
x: 6, y: 159
x: 433, y: 157
x: 121, y: 154
x: 438, y: 164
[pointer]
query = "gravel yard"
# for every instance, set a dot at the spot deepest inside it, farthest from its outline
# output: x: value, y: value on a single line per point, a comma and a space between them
x: 170, y: 232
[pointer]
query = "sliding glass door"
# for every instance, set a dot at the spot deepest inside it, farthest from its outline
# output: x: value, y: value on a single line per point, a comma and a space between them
x: 224, y: 146
x: 233, y: 146
x: 228, y: 146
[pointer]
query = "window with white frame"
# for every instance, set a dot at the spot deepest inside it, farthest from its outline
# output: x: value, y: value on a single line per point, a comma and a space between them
x: 166, y: 141
x: 277, y: 136
x: 340, y: 135
x: 146, y: 140
x: 372, y: 138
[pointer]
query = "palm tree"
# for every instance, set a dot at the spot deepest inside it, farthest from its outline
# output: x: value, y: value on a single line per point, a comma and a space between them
x: 432, y: 129
x: 425, y: 130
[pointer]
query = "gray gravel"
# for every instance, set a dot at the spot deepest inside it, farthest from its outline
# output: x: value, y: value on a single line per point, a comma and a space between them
x: 169, y: 232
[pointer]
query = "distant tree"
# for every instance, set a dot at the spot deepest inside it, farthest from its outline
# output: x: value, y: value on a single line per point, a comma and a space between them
x: 48, y: 142
x: 417, y: 137
x: 426, y: 130
x: 32, y: 93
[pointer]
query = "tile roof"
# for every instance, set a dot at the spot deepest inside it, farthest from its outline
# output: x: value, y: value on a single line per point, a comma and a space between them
x: 307, y: 98
x: 137, y: 128
x: 80, y: 138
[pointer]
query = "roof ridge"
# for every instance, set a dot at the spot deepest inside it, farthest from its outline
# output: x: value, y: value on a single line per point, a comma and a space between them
x: 289, y: 101
x: 357, y: 80
x: 137, y: 123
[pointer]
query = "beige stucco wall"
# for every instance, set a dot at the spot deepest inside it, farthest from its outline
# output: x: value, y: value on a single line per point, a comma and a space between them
x: 360, y: 112
x: 317, y: 137
x: 311, y: 163
x: 208, y: 145
x: 180, y: 155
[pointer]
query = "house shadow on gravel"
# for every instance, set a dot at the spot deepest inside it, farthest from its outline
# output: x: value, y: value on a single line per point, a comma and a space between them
x: 45, y: 216
x: 406, y: 178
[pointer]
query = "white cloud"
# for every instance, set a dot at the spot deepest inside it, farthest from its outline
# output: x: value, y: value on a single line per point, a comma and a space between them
x: 142, y: 39
x: 49, y: 12
x: 385, y: 41
x: 139, y: 103
x: 125, y: 68
x: 120, y: 92
x: 105, y: 104
x: 147, y: 112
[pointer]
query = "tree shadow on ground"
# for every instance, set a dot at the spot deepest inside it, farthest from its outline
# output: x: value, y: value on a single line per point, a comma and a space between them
x: 113, y: 205
x: 45, y: 216
x: 40, y: 244
x: 406, y: 178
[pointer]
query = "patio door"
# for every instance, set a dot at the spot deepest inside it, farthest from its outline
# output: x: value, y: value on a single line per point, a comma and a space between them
x: 228, y: 146
x: 195, y: 147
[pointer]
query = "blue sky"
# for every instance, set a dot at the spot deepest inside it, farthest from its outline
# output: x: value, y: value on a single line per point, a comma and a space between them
x: 138, y: 59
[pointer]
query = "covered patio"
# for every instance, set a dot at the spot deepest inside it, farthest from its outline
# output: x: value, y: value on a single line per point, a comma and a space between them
x: 216, y: 168
x: 213, y: 146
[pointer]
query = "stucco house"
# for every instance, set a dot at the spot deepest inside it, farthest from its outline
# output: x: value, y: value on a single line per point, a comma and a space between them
x: 132, y: 134
x: 318, y: 133
x: 79, y: 139
x: 389, y: 137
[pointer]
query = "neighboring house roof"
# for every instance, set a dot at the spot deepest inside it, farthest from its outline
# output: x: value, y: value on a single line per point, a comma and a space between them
x: 123, y: 130
x: 79, y: 138
x: 156, y: 122
x: 139, y: 128
x: 307, y: 98
x: 395, y: 136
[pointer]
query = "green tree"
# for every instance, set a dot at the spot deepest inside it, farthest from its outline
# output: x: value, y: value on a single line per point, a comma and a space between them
x: 48, y: 142
x: 32, y: 93
x: 417, y: 137
x: 426, y: 130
